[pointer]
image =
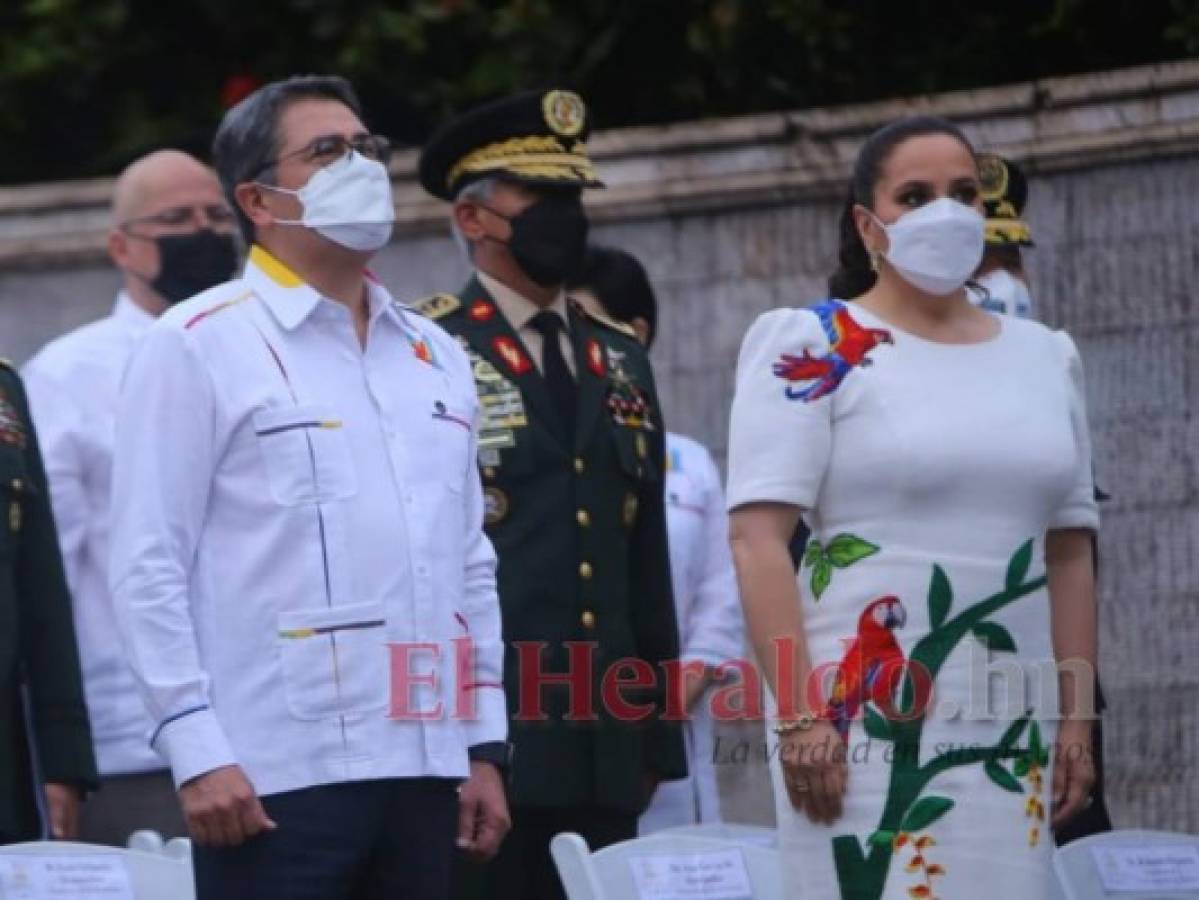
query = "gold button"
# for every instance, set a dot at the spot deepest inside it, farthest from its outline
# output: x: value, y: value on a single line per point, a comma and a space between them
x: 583, y: 518
x: 584, y: 570
x: 489, y: 472
x: 18, y: 484
x: 580, y: 466
x: 588, y: 619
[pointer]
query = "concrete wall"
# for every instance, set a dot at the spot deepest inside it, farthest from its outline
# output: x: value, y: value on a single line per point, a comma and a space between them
x: 737, y: 216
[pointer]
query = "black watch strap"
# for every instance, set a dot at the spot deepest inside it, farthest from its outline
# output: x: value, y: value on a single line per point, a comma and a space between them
x: 498, y: 753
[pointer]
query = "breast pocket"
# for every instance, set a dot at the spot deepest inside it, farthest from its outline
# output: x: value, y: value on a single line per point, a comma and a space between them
x: 334, y: 660
x: 306, y: 454
x: 446, y: 454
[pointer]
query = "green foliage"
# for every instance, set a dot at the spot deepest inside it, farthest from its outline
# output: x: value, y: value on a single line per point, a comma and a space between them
x: 85, y: 85
x: 995, y: 637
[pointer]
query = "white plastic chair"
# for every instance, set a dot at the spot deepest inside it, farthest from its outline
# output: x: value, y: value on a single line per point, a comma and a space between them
x: 607, y: 874
x: 153, y: 876
x: 1079, y: 875
x: 750, y: 835
x: 148, y: 841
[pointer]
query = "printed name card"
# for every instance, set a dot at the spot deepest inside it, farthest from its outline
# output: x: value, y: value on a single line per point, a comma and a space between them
x: 1161, y: 867
x: 699, y: 875
x: 64, y: 877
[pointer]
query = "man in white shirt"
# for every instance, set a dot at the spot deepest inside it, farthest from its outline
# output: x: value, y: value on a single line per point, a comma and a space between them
x: 711, y: 627
x: 171, y: 237
x: 299, y: 567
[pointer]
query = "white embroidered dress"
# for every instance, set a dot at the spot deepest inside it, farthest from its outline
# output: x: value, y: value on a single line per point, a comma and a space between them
x: 930, y: 474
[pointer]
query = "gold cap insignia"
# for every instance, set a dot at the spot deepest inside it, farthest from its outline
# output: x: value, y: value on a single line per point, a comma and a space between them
x: 992, y: 176
x: 564, y: 111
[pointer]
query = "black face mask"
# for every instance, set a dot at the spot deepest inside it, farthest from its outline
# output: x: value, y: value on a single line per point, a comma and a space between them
x: 549, y: 238
x: 191, y: 263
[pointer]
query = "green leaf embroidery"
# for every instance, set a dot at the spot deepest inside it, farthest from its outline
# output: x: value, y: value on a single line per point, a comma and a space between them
x: 924, y: 812
x: 846, y: 549
x: 882, y: 838
x: 1034, y: 739
x: 1008, y: 741
x: 876, y: 726
x: 940, y: 597
x: 822, y: 574
x: 1023, y: 764
x: 995, y: 637
x: 812, y: 553
x: 1002, y: 777
x: 1018, y: 568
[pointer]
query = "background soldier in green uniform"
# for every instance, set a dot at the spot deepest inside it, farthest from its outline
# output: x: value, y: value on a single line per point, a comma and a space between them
x: 38, y: 656
x: 571, y: 452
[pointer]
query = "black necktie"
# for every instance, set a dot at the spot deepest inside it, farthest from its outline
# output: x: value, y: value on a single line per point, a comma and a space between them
x: 557, y: 376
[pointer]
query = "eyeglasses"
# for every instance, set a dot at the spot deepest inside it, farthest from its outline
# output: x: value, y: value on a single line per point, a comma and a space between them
x: 329, y: 148
x: 217, y: 214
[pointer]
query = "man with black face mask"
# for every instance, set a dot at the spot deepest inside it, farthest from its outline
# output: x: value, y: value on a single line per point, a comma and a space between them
x: 171, y: 237
x: 571, y: 452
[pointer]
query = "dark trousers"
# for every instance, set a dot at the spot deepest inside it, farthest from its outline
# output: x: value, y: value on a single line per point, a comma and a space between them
x: 128, y: 803
x: 523, y: 868
x: 389, y: 839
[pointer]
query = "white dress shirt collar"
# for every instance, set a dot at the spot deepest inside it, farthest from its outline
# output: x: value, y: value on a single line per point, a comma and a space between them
x: 291, y: 300
x: 517, y: 308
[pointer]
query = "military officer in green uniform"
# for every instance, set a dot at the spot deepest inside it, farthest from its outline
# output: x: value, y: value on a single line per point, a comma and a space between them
x: 571, y: 454
x: 44, y: 733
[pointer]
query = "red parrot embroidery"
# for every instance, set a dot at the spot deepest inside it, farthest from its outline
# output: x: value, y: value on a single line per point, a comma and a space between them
x: 872, y: 667
x: 849, y: 344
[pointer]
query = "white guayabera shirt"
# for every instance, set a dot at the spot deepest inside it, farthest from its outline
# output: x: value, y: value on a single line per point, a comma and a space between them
x: 286, y: 504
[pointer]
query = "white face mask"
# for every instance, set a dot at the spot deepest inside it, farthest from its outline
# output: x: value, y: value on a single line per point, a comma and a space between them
x: 348, y: 201
x: 936, y: 247
x: 1005, y: 294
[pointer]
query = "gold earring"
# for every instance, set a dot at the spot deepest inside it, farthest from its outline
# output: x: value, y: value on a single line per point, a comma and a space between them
x: 874, y: 260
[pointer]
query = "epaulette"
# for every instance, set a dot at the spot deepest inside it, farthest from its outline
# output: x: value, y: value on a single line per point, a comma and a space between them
x: 7, y: 364
x: 621, y: 327
x: 437, y: 306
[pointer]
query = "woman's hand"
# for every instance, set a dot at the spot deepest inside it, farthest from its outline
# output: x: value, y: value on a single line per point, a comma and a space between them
x: 815, y: 770
x: 1073, y: 770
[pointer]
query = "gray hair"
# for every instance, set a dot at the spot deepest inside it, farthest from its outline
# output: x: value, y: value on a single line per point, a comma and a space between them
x: 247, y: 141
x: 481, y: 190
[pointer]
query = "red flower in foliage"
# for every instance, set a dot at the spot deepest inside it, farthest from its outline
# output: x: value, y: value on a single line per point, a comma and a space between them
x: 237, y: 87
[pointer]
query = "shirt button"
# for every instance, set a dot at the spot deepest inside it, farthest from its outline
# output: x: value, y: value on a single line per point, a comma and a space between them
x: 580, y: 466
x: 583, y: 518
x: 588, y: 619
x: 585, y: 571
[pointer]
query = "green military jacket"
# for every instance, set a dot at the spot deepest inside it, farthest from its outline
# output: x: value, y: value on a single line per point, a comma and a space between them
x: 37, y: 633
x: 580, y: 530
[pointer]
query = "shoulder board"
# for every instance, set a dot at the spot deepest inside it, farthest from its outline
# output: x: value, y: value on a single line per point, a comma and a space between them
x: 437, y: 306
x: 621, y: 327
x: 7, y: 364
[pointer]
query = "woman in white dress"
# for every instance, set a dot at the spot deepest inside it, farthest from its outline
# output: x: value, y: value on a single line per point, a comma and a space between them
x: 940, y: 456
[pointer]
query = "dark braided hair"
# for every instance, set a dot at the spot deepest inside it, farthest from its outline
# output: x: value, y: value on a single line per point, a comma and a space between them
x: 854, y: 276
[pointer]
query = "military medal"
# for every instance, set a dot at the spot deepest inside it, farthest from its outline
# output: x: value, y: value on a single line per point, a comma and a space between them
x: 511, y: 354
x: 595, y: 358
x: 12, y: 431
x: 495, y: 506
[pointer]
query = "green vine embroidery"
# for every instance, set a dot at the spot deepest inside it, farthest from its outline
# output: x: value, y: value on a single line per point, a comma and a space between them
x: 862, y: 871
x: 842, y: 552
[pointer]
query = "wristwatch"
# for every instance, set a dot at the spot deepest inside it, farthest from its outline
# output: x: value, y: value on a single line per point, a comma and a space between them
x: 498, y: 753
